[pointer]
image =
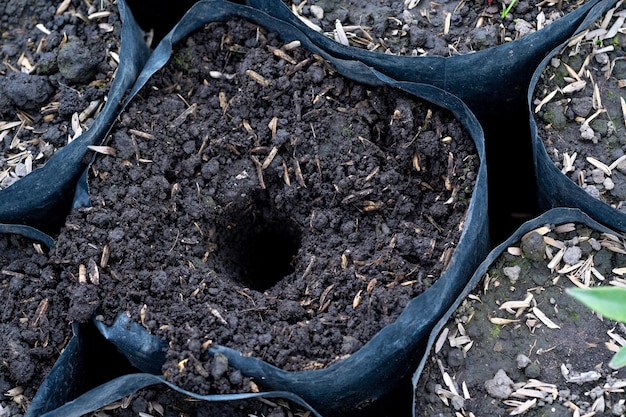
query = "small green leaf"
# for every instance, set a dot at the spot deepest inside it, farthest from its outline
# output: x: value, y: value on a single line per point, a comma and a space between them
x: 609, y: 301
x: 619, y: 359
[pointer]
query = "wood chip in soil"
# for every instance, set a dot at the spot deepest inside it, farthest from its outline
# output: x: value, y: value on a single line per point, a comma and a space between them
x: 56, y: 70
x: 420, y: 28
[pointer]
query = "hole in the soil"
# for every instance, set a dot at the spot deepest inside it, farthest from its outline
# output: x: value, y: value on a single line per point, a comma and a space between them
x: 263, y: 246
x: 268, y: 253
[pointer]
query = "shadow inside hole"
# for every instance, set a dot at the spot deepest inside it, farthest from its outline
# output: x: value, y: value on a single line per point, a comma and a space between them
x: 269, y: 253
x: 261, y: 246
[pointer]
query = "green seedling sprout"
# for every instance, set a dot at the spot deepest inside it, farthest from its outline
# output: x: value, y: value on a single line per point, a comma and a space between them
x: 610, y: 302
x: 506, y: 10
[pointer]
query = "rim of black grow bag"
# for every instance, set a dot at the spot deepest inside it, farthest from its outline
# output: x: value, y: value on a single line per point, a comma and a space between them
x: 492, y: 82
x: 554, y: 188
x: 558, y: 215
x: 372, y: 371
x: 42, y: 199
x: 484, y: 80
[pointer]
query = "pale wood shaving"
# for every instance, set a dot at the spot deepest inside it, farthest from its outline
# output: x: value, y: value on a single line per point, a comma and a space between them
x: 553, y: 242
x: 502, y: 321
x: 575, y: 86
x: 544, y: 319
x: 441, y: 340
x: 565, y: 228
x: 519, y: 406
x: 554, y: 263
x: 514, y: 251
x: 616, y: 337
x: 545, y: 100
x: 509, y: 306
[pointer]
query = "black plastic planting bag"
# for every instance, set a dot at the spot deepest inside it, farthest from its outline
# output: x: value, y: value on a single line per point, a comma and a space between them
x: 39, y: 202
x: 105, y: 364
x: 554, y: 216
x: 347, y: 385
x: 555, y: 189
x: 483, y: 80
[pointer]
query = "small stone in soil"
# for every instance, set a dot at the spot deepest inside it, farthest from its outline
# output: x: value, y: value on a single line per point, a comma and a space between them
x: 533, y: 370
x: 457, y: 402
x: 500, y: 387
x: 512, y: 272
x: 592, y: 191
x: 572, y: 255
x: 455, y: 357
x: 220, y: 366
x: 522, y: 361
x: 534, y: 247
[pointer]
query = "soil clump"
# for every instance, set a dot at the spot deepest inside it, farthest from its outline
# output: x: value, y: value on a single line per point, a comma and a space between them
x: 443, y: 28
x: 56, y: 64
x: 365, y: 190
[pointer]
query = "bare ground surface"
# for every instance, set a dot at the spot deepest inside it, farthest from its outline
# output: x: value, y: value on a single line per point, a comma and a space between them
x: 442, y: 28
x: 290, y: 217
x: 57, y: 64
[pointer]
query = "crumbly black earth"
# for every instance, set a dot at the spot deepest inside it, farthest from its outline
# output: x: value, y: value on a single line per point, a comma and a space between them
x: 367, y: 210
x: 398, y: 27
x: 289, y: 217
x: 35, y: 321
x: 49, y: 77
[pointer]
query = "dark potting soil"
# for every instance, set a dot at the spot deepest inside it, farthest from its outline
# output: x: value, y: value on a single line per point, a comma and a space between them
x: 260, y: 201
x: 56, y: 66
x: 442, y: 28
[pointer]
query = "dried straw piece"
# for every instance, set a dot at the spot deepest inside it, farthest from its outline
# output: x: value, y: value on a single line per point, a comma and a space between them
x: 600, y: 165
x: 544, y: 319
x: 104, y: 150
x: 40, y: 312
x: 63, y: 7
x: 545, y: 100
x: 502, y: 321
x: 258, y: 78
x: 99, y: 15
x: 340, y: 34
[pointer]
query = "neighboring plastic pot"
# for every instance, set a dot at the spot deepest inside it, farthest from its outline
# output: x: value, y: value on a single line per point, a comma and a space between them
x: 555, y: 189
x: 483, y: 80
x: 493, y: 83
x: 349, y: 384
x: 555, y: 216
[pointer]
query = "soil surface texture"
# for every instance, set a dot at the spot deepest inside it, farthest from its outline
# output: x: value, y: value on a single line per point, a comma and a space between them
x: 442, y: 28
x: 180, y: 217
x: 520, y: 345
x: 56, y: 64
x: 266, y: 205
x: 255, y: 200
